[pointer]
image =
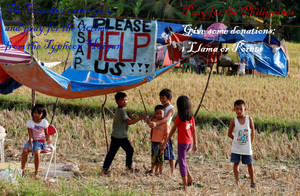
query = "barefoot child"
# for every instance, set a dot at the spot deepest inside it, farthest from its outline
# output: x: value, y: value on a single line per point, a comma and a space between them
x: 38, y: 135
x: 119, y: 136
x: 241, y: 131
x: 165, y: 97
x: 158, y: 136
x: 185, y: 124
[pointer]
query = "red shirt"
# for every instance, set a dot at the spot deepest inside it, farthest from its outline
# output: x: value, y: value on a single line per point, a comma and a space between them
x: 185, y: 130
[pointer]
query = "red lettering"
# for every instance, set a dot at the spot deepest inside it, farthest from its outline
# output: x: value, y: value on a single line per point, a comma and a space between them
x: 90, y: 44
x: 136, y: 45
x: 113, y: 33
x: 188, y: 8
x: 121, y: 50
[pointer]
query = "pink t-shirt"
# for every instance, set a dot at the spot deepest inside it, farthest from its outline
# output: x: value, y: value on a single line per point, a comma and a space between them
x: 38, y: 129
x: 185, y: 130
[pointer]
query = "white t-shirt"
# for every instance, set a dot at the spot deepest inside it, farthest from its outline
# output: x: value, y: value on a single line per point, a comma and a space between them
x: 241, y: 143
x: 167, y: 109
x: 242, y: 68
x: 38, y: 129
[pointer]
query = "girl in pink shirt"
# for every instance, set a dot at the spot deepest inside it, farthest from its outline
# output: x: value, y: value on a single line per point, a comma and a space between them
x: 185, y: 124
x: 38, y: 135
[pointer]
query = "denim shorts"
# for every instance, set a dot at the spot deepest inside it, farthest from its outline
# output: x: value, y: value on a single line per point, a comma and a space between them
x: 246, y: 159
x: 169, y: 153
x: 36, y: 145
x: 156, y: 156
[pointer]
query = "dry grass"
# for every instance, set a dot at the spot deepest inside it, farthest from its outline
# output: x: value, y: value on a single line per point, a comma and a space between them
x: 81, y: 141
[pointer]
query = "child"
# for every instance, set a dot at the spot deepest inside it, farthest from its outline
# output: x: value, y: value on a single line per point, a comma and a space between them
x: 158, y: 136
x: 119, y: 136
x: 38, y: 135
x: 185, y: 124
x: 165, y: 97
x: 242, y: 67
x: 241, y: 131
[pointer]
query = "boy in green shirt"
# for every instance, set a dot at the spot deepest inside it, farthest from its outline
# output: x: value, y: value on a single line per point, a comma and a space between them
x: 119, y: 136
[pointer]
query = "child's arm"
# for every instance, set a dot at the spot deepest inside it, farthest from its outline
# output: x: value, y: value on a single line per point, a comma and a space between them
x: 195, y: 144
x: 47, y: 135
x: 252, y: 129
x: 230, y: 129
x: 30, y: 137
x: 164, y: 120
x: 166, y: 130
x: 133, y: 121
x: 169, y: 136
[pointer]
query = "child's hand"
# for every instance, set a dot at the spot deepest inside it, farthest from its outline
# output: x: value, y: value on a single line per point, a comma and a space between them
x: 195, y: 147
x: 133, y: 116
x: 152, y: 124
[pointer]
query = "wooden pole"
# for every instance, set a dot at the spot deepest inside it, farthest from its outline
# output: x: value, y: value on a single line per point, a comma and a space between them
x: 270, y: 25
x: 207, y: 82
x: 31, y: 50
x: 104, y: 123
x: 143, y: 102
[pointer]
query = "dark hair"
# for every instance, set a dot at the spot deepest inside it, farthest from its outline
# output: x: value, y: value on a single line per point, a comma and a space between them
x: 120, y: 95
x: 159, y: 107
x: 40, y: 108
x: 166, y: 92
x: 184, y: 108
x: 239, y: 102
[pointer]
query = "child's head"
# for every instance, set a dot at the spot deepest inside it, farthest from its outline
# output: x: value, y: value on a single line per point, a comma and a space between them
x: 159, y: 112
x: 242, y: 60
x: 184, y: 108
x: 165, y: 96
x: 38, y: 112
x: 239, y: 107
x: 121, y: 99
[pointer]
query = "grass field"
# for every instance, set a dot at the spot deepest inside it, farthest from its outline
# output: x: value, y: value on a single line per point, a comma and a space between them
x: 270, y: 100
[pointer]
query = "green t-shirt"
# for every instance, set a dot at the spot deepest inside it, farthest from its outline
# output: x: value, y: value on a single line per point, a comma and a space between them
x: 120, y: 126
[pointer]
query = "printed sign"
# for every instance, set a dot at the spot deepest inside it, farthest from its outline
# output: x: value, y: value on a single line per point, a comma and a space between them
x: 114, y: 46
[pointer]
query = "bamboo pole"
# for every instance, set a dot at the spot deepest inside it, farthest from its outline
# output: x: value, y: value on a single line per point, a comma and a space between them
x: 33, y: 95
x: 104, y: 122
x: 207, y: 82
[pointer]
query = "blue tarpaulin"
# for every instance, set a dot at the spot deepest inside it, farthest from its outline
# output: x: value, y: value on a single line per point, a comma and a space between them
x: 264, y: 58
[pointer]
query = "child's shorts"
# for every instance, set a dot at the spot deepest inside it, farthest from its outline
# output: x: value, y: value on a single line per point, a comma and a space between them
x: 156, y: 156
x: 169, y: 153
x: 246, y: 159
x: 36, y: 145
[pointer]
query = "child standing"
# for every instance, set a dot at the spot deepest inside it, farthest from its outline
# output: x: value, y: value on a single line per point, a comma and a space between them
x: 119, y: 136
x: 242, y: 67
x: 185, y: 124
x: 158, y: 136
x: 165, y: 97
x: 241, y: 131
x: 38, y: 135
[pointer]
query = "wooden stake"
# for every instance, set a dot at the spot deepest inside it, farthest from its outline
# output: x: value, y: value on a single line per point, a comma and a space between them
x: 143, y: 101
x: 104, y: 123
x: 31, y: 50
x: 207, y: 82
